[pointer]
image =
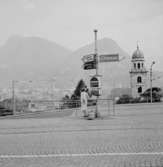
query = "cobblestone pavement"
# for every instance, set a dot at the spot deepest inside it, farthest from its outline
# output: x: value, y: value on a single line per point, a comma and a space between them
x: 133, y: 137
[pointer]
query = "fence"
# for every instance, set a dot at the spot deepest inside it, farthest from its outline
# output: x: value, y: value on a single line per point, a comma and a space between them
x: 105, y: 107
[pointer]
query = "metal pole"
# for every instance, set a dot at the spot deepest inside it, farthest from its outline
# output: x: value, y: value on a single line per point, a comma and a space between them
x: 151, y: 82
x: 96, y: 52
x: 96, y: 56
x: 114, y: 107
x: 13, y: 97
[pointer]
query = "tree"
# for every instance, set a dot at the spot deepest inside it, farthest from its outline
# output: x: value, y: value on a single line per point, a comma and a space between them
x: 66, y: 101
x: 76, y: 95
x: 156, y: 94
x: 74, y: 101
x: 75, y: 98
x: 21, y: 104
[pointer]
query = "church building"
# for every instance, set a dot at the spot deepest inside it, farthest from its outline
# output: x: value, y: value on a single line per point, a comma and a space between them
x: 138, y: 73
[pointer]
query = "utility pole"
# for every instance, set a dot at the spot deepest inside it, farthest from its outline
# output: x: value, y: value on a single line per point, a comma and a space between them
x: 13, y: 97
x: 151, y: 81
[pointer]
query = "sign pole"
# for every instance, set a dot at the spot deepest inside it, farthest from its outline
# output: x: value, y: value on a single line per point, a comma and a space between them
x: 96, y: 52
x: 97, y: 72
x: 92, y: 61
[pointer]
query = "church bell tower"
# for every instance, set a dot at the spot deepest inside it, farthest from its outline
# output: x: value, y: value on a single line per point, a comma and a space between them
x: 138, y: 73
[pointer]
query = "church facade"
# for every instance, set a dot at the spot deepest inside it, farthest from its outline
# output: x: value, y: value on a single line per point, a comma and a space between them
x: 138, y: 74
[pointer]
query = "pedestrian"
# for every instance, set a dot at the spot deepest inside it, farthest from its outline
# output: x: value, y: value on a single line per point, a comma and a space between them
x: 84, y: 100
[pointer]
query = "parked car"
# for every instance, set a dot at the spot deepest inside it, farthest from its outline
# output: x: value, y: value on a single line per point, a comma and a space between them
x: 4, y: 111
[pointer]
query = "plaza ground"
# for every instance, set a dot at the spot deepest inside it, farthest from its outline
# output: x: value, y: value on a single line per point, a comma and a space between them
x: 131, y: 137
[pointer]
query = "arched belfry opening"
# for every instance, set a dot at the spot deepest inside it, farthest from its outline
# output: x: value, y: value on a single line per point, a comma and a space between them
x: 140, y: 89
x: 139, y: 79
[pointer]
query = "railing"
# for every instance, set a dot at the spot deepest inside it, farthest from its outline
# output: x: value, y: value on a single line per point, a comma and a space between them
x: 104, y: 106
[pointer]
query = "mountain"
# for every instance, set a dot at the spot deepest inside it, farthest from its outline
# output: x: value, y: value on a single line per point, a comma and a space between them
x: 31, y: 58
x: 34, y: 58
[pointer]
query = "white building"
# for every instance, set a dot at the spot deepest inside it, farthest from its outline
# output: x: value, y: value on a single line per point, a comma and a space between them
x: 138, y: 73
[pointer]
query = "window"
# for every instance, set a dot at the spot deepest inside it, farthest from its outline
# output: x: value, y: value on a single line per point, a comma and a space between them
x: 134, y: 65
x: 142, y: 65
x: 140, y: 90
x: 138, y: 65
x: 139, y: 79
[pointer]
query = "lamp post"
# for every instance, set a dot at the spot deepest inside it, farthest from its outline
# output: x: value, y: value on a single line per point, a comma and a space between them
x: 13, y: 97
x: 53, y: 80
x: 151, y: 81
x: 14, y: 83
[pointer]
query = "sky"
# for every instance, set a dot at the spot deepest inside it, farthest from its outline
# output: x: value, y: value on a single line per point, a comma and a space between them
x: 71, y: 23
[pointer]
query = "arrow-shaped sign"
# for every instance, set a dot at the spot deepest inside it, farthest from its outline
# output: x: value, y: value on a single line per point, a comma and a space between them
x: 89, y: 65
x: 89, y: 58
x: 109, y: 57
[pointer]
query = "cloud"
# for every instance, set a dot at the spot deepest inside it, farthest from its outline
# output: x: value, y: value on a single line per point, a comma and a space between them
x: 28, y: 4
x: 4, y: 66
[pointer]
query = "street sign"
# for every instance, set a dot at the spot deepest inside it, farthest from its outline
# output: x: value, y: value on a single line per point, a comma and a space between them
x: 95, y: 91
x: 89, y: 58
x: 94, y: 82
x: 89, y: 62
x: 89, y: 65
x: 109, y: 58
x: 95, y: 85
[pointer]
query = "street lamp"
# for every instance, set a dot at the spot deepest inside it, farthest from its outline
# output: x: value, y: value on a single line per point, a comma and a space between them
x: 151, y: 81
x: 13, y: 94
x: 13, y: 97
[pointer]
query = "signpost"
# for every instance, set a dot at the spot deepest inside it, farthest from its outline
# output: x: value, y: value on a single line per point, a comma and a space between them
x: 91, y: 61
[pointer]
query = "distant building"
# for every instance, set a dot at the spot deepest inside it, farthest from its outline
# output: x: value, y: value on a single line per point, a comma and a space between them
x: 138, y: 73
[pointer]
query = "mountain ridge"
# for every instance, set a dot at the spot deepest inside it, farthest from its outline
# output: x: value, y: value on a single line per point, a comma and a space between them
x: 30, y: 58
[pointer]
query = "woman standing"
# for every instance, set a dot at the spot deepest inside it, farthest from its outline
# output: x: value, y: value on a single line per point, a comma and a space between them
x: 84, y: 101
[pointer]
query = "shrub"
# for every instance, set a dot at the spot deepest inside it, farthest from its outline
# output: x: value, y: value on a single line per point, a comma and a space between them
x: 124, y: 99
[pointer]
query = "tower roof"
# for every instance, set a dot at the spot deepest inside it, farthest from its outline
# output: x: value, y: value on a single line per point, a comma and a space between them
x: 138, y: 54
